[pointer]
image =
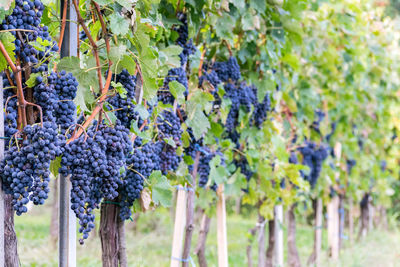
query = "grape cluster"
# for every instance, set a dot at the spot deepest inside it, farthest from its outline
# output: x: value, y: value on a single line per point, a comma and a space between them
x: 27, y: 15
x: 227, y: 70
x: 350, y: 163
x: 169, y: 126
x: 313, y: 157
x: 260, y: 112
x: 175, y: 74
x: 140, y: 164
x: 320, y: 115
x: 183, y: 40
x: 94, y: 163
x: 26, y: 173
x: 125, y: 107
x: 204, y: 166
x: 66, y: 86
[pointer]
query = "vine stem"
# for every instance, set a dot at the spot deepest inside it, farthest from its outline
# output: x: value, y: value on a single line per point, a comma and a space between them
x: 92, y: 42
x: 16, y: 69
x: 63, y: 23
x: 96, y: 110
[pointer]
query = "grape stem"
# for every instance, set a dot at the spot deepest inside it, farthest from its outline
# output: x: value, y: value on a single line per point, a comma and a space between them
x: 97, y: 109
x: 63, y: 23
x: 92, y: 43
x: 16, y: 69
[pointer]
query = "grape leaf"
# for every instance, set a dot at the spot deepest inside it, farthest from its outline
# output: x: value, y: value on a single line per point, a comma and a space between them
x: 177, y: 90
x: 8, y: 41
x: 55, y: 166
x: 118, y: 24
x: 161, y: 190
x: 31, y: 82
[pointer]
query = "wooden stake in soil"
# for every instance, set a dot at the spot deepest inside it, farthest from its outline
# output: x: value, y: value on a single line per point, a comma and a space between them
x: 318, y: 232
x: 333, y: 228
x: 221, y: 228
x: 351, y: 221
x: 190, y: 214
x: 279, y: 236
x: 261, y: 240
x: 201, y: 243
x: 179, y: 227
x: 293, y: 258
x: 109, y: 215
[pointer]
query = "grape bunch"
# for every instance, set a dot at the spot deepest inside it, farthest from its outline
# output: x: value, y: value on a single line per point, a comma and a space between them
x: 313, y: 157
x: 124, y: 106
x: 350, y: 163
x: 204, y: 167
x: 26, y: 173
x: 94, y: 163
x: 139, y: 166
x: 227, y: 70
x: 183, y: 40
x: 261, y: 110
x: 65, y: 88
x: 175, y: 74
x: 320, y: 115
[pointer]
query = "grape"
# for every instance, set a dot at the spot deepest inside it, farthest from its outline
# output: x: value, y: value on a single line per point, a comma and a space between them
x: 261, y: 110
x: 94, y: 165
x: 26, y: 172
x: 204, y: 166
x: 227, y: 70
x: 140, y: 164
x: 169, y: 159
x: 320, y: 115
x: 125, y: 107
x: 169, y: 126
x: 183, y: 39
x: 350, y: 163
x: 65, y: 86
x: 313, y: 157
x: 175, y: 74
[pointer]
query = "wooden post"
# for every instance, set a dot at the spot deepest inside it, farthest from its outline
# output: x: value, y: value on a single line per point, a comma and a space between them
x: 371, y: 213
x: 318, y: 231
x: 221, y: 228
x: 351, y: 221
x: 179, y: 228
x: 279, y: 236
x: 333, y: 228
x: 190, y: 213
x: 2, y: 263
x: 261, y: 241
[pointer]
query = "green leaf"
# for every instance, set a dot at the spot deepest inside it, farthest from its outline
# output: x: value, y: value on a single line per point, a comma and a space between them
x: 86, y: 80
x: 55, y: 166
x: 8, y: 41
x: 161, y: 190
x: 177, y: 90
x: 31, y: 82
x: 118, y: 24
x: 143, y: 112
x: 126, y: 62
x: 119, y: 88
x: 127, y: 3
x: 171, y: 56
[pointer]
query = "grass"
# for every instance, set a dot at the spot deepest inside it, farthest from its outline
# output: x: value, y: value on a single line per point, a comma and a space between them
x: 150, y: 244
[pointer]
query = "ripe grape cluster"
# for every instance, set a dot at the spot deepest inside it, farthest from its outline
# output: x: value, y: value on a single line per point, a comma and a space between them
x: 178, y: 74
x: 94, y: 163
x: 350, y: 163
x: 124, y: 106
x: 25, y: 170
x: 26, y: 173
x: 175, y: 74
x: 313, y: 157
x: 204, y: 167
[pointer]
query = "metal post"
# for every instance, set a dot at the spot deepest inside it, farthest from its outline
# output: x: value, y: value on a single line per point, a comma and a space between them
x: 67, y: 230
x: 1, y: 189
